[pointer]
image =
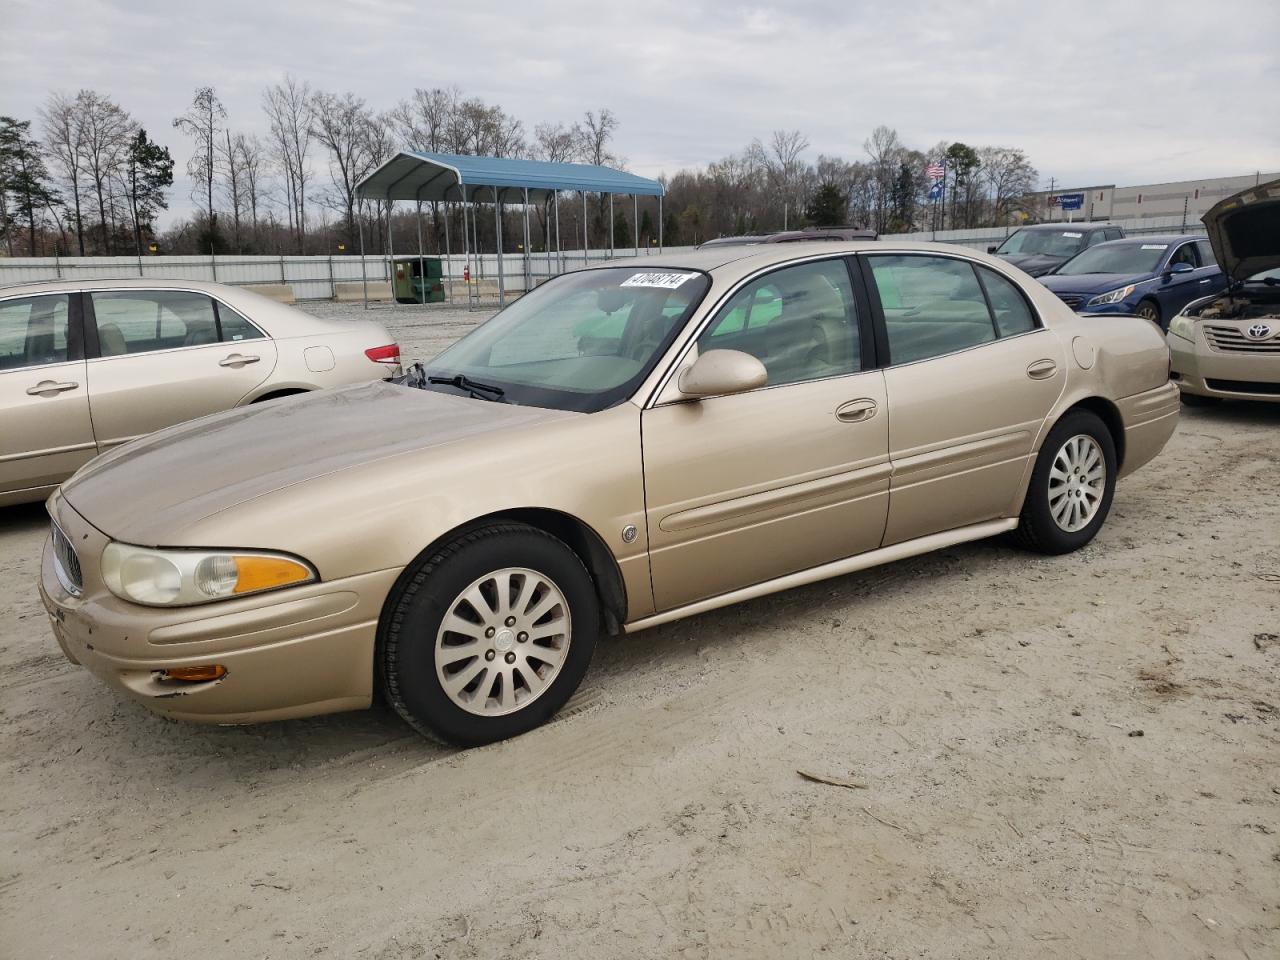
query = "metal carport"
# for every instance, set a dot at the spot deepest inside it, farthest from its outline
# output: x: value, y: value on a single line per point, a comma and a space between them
x: 451, y: 178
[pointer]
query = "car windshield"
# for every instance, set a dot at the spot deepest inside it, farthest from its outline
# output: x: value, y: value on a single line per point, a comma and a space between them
x: 583, y: 341
x: 1048, y: 243
x: 1135, y: 257
x: 1271, y: 276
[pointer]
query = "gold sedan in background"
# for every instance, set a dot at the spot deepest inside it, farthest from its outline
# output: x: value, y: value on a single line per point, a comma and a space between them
x: 624, y: 446
x: 87, y: 365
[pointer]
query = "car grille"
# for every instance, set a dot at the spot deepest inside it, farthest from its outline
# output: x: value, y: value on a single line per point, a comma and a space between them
x: 1071, y: 300
x: 65, y: 562
x: 1233, y: 340
x: 1244, y: 386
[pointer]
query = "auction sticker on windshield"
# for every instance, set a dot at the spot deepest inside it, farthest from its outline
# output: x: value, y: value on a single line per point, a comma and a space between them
x: 665, y: 281
x: 1076, y: 235
x: 1155, y: 246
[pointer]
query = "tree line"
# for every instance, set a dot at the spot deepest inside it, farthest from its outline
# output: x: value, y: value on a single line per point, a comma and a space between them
x: 89, y: 179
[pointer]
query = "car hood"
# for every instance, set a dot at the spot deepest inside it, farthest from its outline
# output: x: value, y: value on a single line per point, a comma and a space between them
x: 145, y: 490
x: 1032, y: 263
x: 1092, y: 283
x: 1245, y: 230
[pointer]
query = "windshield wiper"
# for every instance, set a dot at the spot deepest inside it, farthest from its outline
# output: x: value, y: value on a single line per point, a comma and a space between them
x: 478, y: 390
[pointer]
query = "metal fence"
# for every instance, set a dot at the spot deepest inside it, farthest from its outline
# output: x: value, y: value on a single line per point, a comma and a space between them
x: 312, y: 278
x: 979, y: 238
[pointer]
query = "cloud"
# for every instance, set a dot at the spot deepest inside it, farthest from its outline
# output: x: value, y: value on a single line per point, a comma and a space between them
x: 1105, y: 92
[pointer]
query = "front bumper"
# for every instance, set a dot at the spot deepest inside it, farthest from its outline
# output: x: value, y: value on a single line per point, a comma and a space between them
x: 291, y: 653
x: 1198, y: 369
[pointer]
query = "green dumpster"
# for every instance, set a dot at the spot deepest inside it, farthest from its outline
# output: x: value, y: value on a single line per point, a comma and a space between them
x: 418, y: 280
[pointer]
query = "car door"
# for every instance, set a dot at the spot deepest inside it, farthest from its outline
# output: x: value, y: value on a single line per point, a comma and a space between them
x: 1175, y: 288
x: 159, y: 357
x: 744, y: 488
x: 971, y: 375
x: 1210, y: 278
x: 45, y: 430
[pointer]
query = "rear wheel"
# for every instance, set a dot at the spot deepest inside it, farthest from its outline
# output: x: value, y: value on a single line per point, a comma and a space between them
x: 1071, y: 486
x: 1149, y: 310
x: 489, y: 636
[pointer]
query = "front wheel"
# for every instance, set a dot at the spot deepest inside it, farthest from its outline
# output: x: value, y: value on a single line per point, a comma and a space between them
x: 489, y: 636
x: 1071, y: 486
x: 1149, y: 310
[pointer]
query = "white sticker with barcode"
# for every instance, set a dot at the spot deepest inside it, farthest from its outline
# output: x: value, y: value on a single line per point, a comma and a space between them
x: 1155, y: 246
x: 1067, y: 233
x: 663, y: 281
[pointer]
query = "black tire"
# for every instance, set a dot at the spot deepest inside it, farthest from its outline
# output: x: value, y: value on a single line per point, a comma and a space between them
x: 405, y: 657
x: 1196, y: 400
x: 1037, y: 530
x: 1150, y: 310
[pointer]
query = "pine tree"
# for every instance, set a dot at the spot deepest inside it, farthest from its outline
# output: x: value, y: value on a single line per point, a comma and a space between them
x: 24, y: 182
x: 148, y: 171
x: 828, y: 206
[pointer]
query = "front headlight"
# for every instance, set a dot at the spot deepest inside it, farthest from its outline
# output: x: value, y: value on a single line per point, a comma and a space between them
x: 1183, y: 326
x: 179, y: 578
x: 1112, y: 296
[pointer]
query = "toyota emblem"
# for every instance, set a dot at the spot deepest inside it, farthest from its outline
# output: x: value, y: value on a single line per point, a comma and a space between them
x: 1259, y: 331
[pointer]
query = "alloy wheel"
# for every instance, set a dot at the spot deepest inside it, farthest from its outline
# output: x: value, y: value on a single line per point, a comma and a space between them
x: 1077, y: 481
x: 503, y: 641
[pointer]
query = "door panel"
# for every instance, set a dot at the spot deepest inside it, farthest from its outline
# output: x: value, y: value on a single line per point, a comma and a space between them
x: 159, y: 362
x: 961, y: 429
x: 745, y: 488
x: 45, y: 431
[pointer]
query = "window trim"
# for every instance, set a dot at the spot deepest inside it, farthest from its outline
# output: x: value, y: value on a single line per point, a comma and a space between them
x: 75, y: 328
x: 882, y: 330
x: 93, y: 350
x: 866, y: 330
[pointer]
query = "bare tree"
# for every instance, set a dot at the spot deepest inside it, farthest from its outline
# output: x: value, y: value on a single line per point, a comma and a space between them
x: 64, y: 138
x: 594, y: 135
x: 202, y: 122
x: 556, y: 143
x: 288, y: 109
x: 253, y: 162
x: 342, y: 125
x: 1007, y: 175
x: 233, y: 185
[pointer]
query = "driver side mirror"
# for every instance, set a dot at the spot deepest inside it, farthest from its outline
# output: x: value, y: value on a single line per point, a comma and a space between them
x: 992, y: 249
x: 719, y: 372
x: 1178, y: 268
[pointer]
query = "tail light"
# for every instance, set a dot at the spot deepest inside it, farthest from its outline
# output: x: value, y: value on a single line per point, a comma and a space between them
x: 390, y: 354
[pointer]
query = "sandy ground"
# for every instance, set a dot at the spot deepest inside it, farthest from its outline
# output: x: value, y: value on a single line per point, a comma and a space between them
x: 983, y: 706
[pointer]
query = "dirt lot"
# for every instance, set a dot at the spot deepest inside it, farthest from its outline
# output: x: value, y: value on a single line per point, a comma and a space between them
x: 1075, y: 757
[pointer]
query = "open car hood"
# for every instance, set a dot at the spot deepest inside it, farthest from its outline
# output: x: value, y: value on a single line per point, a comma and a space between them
x: 1245, y: 230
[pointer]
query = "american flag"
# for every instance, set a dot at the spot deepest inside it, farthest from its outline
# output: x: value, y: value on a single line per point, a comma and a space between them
x: 933, y: 171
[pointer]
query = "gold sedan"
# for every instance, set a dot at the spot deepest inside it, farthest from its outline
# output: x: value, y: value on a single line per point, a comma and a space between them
x: 622, y: 447
x: 88, y: 365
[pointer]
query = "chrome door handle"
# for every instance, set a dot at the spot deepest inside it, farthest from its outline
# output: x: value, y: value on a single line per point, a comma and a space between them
x: 237, y: 360
x: 856, y: 411
x: 1206, y: 280
x: 1042, y: 370
x: 47, y: 388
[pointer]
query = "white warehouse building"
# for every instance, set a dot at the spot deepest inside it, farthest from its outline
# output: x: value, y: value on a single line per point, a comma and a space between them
x: 1148, y: 201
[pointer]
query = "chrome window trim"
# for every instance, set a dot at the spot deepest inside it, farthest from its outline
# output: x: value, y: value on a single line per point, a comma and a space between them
x: 194, y: 346
x: 682, y: 349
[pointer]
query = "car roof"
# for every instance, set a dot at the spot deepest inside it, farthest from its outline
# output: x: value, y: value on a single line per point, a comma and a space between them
x: 729, y: 262
x: 277, y: 319
x: 1169, y: 238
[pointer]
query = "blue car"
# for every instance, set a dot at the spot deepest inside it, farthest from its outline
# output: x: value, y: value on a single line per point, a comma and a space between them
x: 1154, y: 277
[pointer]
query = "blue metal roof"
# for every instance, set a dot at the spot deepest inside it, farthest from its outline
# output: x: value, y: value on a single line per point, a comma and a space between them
x: 447, y: 176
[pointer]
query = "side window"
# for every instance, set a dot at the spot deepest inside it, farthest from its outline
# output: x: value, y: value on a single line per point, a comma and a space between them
x: 142, y: 321
x: 33, y: 331
x: 801, y: 322
x: 1115, y: 234
x: 1205, y: 248
x: 1185, y: 254
x: 1012, y: 312
x: 1098, y: 236
x: 235, y: 327
x: 932, y: 306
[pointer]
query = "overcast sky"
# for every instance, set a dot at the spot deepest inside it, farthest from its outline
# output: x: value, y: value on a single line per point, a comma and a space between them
x: 1112, y: 92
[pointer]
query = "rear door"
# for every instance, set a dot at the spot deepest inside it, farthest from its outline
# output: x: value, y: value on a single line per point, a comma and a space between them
x: 970, y: 377
x: 1176, y: 290
x: 45, y: 430
x: 744, y: 488
x: 159, y: 357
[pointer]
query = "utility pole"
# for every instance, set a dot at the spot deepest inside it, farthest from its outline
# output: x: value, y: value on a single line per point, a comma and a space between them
x: 1048, y: 200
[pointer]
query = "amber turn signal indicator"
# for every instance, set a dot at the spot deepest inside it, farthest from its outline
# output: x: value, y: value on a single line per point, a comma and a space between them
x: 267, y: 573
x: 202, y: 674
